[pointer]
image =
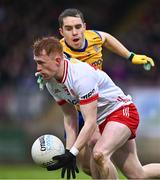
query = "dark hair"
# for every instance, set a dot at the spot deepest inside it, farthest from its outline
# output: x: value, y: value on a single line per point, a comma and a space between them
x: 49, y: 44
x: 70, y: 12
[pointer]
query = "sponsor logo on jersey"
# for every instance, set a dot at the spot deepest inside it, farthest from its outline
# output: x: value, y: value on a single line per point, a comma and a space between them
x: 88, y: 94
x: 97, y: 63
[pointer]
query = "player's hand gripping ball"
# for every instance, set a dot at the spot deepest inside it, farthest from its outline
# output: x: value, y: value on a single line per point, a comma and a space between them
x: 45, y: 148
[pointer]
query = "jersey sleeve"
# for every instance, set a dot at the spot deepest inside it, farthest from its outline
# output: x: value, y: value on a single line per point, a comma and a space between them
x: 101, y: 39
x: 59, y: 100
x: 87, y: 90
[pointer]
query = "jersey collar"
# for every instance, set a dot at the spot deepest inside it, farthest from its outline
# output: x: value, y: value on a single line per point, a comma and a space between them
x: 65, y: 72
x: 78, y: 50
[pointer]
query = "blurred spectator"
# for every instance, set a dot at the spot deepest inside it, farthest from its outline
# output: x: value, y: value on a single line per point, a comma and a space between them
x: 22, y: 21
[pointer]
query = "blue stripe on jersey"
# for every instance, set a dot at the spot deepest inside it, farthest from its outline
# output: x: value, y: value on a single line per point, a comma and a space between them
x: 97, y: 33
x: 67, y: 55
x: 79, y: 50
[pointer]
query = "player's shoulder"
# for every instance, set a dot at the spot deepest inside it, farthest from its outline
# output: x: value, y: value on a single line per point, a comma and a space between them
x: 78, y: 65
x: 75, y: 62
x: 92, y: 34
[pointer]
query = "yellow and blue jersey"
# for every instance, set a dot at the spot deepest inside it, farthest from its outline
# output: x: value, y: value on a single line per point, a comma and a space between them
x: 90, y: 53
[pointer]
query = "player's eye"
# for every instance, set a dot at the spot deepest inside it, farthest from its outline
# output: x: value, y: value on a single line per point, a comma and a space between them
x: 68, y: 28
x: 78, y: 26
x: 39, y: 62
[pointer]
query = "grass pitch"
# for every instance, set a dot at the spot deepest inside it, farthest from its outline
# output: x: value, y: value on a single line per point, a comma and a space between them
x: 34, y: 172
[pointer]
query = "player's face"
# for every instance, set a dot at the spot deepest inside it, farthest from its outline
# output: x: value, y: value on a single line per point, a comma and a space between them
x: 47, y: 66
x: 73, y: 31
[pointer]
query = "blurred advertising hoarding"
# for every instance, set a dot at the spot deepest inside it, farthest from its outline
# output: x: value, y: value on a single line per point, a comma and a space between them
x: 147, y: 100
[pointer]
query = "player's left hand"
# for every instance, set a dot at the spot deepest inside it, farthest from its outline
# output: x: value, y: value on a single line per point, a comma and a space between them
x: 67, y: 162
x: 142, y: 59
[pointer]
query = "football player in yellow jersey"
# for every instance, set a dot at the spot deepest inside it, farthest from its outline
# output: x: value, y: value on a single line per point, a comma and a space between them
x: 91, y: 52
x: 87, y: 45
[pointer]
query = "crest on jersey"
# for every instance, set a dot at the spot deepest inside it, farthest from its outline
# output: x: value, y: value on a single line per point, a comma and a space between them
x: 96, y: 48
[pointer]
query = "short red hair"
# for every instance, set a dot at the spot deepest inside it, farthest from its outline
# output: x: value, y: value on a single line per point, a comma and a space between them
x: 49, y: 44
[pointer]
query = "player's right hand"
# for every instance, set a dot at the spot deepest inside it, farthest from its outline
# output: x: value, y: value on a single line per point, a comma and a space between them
x: 67, y: 162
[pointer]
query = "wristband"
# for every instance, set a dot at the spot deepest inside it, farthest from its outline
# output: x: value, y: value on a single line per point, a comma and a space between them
x: 74, y: 151
x: 131, y: 56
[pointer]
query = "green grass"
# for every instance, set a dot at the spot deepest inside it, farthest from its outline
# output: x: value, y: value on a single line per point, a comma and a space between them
x: 33, y: 172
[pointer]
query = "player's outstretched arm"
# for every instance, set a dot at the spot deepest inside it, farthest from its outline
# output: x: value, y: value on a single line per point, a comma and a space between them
x: 118, y: 48
x: 114, y: 45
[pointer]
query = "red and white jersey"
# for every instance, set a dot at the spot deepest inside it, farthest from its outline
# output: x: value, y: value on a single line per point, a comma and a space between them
x: 82, y: 84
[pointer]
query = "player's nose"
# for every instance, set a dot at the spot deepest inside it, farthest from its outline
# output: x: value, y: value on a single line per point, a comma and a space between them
x: 39, y: 68
x: 74, y: 31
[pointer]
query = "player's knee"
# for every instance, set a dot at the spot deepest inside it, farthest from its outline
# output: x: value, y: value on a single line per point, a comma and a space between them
x: 99, y: 158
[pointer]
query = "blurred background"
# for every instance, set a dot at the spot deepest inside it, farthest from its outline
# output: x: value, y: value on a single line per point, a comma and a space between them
x: 26, y: 113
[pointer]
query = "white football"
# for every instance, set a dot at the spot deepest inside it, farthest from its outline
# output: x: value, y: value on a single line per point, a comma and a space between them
x: 46, y: 147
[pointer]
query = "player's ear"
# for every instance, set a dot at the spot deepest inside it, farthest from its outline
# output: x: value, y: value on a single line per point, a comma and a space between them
x: 61, y: 31
x: 58, y: 60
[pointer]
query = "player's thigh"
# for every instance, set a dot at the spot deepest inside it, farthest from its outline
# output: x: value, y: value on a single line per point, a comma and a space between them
x: 113, y: 137
x: 127, y: 160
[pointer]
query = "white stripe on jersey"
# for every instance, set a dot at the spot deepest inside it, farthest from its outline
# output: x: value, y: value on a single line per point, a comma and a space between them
x: 82, y: 84
x: 126, y: 111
